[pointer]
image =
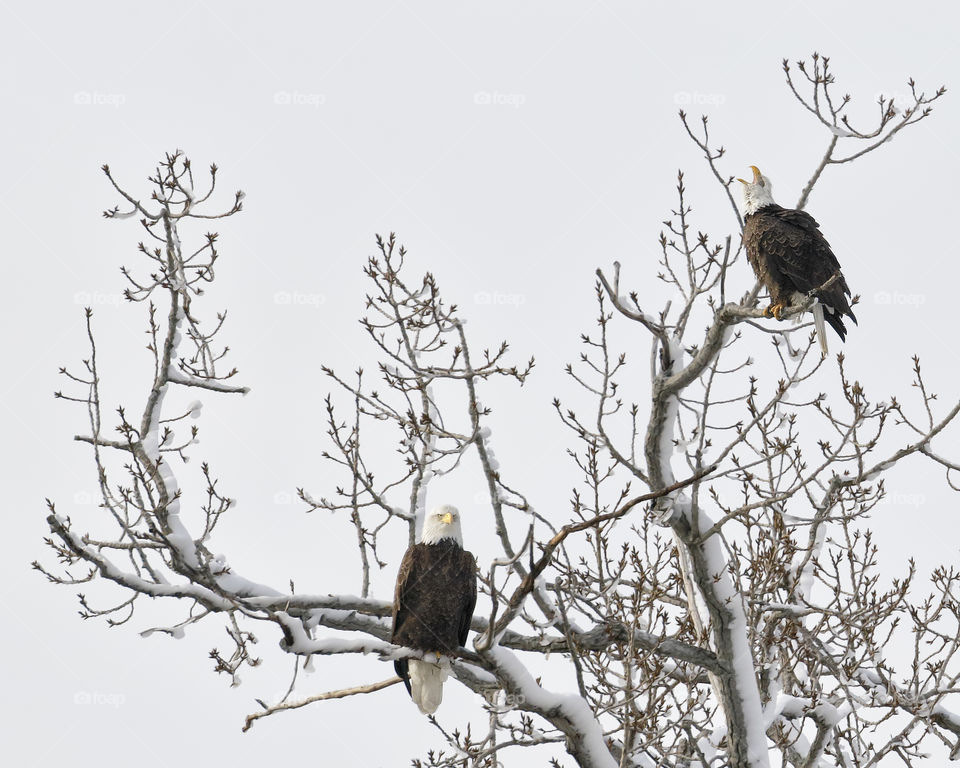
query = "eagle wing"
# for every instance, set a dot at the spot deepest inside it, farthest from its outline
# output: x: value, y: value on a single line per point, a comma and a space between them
x: 403, y: 576
x: 401, y: 666
x: 795, y: 249
x: 466, y: 615
x: 798, y: 249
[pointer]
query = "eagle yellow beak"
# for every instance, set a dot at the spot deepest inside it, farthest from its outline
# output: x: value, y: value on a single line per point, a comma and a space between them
x: 757, y: 176
x: 447, y: 518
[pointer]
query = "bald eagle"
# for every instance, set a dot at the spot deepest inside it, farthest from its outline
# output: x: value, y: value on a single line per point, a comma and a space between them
x: 792, y: 258
x: 433, y: 605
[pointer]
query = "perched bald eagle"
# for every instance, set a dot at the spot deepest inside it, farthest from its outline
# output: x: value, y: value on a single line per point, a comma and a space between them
x: 792, y: 258
x: 433, y: 604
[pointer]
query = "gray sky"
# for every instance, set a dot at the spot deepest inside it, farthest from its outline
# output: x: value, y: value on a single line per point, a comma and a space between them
x: 514, y: 149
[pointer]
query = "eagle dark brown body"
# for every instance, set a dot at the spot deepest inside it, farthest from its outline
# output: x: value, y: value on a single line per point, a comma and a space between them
x: 434, y: 600
x: 790, y: 255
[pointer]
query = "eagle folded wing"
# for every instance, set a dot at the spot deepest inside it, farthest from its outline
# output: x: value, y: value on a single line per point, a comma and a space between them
x: 400, y: 610
x: 403, y: 576
x: 471, y: 599
x: 796, y: 248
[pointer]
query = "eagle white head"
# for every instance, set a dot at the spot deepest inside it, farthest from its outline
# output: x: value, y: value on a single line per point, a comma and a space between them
x: 756, y: 194
x: 443, y: 522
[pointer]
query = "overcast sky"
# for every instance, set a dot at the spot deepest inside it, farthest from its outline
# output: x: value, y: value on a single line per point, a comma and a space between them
x: 514, y: 148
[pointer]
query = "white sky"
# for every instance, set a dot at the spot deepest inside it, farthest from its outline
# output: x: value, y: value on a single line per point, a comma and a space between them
x: 572, y: 167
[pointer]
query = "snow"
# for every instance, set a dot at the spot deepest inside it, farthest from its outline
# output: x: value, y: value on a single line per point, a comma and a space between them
x: 339, y: 601
x: 485, y: 434
x: 305, y: 645
x: 177, y: 376
x: 836, y: 130
x: 827, y: 714
x: 792, y: 706
x: 238, y: 585
x: 178, y: 536
x: 872, y: 682
x: 742, y: 661
x: 572, y: 706
x: 793, y: 610
x: 708, y: 749
x: 626, y: 301
x: 176, y: 633
x: 540, y: 586
x: 342, y: 616
x: 670, y: 418
x: 883, y: 466
x: 952, y: 717
x: 421, y: 502
x: 420, y: 511
x: 804, y: 574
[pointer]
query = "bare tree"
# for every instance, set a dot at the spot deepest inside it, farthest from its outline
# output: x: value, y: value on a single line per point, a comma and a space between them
x: 713, y: 592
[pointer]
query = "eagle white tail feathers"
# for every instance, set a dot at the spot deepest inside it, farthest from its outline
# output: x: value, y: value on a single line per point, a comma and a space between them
x: 426, y: 684
x: 821, y: 328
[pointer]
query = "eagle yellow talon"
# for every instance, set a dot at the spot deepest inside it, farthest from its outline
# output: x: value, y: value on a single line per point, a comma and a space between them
x: 774, y: 310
